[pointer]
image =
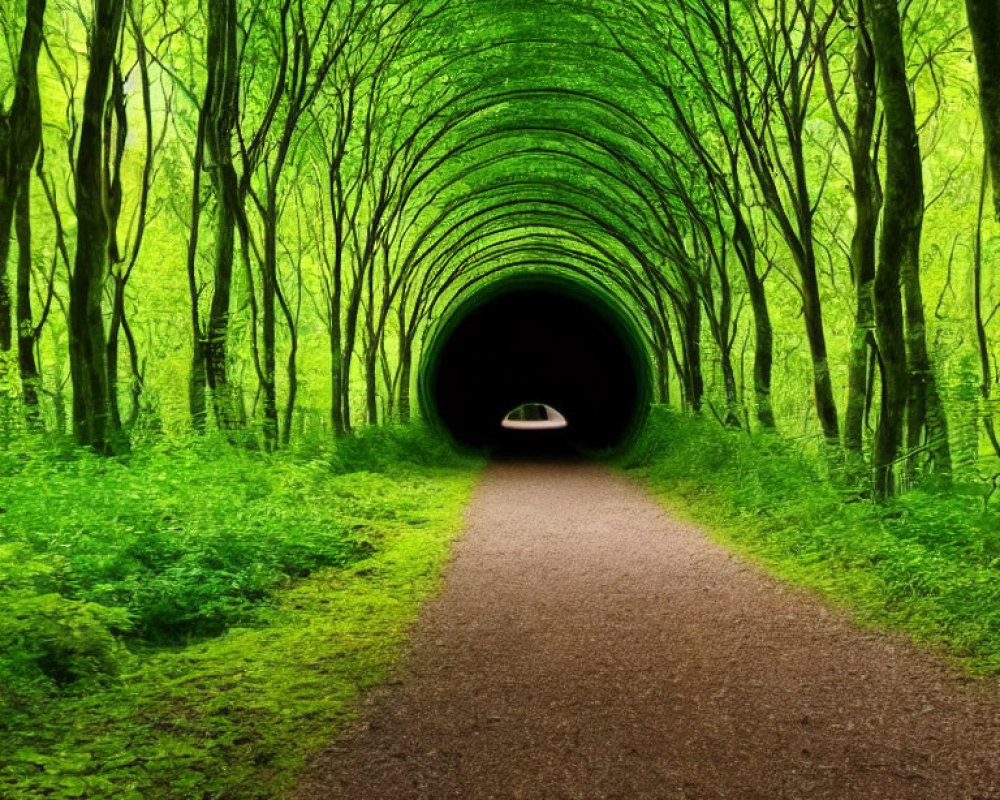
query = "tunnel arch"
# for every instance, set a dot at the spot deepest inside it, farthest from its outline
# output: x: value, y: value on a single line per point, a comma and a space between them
x: 536, y: 337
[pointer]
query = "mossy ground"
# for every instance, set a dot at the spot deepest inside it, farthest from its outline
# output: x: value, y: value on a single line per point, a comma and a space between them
x: 236, y: 714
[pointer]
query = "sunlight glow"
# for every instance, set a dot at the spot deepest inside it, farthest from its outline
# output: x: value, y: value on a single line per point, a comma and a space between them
x: 534, y: 417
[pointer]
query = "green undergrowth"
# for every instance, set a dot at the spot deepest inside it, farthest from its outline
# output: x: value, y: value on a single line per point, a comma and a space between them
x: 926, y: 564
x: 196, y: 620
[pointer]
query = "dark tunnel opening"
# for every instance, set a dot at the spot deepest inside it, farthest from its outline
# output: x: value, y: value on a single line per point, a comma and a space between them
x: 537, y: 342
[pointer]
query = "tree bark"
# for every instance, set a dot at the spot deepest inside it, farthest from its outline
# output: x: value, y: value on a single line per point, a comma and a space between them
x: 26, y: 337
x: 20, y: 138
x: 292, y: 367
x: 220, y: 111
x: 8, y: 203
x: 901, y: 229
x: 985, y: 362
x: 763, y: 358
x: 732, y: 418
x: 269, y: 287
x: 405, y: 409
x: 826, y: 406
x: 662, y: 377
x: 867, y: 206
x: 116, y: 124
x: 691, y: 335
x: 349, y: 343
x: 371, y: 385
x: 197, y: 375
x: 92, y: 421
x: 336, y: 355
x: 984, y: 23
x: 927, y: 422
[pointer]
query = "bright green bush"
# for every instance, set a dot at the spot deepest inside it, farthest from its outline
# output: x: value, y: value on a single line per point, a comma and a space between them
x: 198, y: 619
x: 927, y: 563
x: 48, y: 641
x: 176, y: 541
x: 377, y: 449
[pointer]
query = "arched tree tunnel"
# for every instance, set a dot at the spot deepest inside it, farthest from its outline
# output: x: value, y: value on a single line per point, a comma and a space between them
x: 537, y: 339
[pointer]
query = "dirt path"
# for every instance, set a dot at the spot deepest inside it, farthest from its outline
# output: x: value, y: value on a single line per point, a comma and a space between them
x: 589, y: 646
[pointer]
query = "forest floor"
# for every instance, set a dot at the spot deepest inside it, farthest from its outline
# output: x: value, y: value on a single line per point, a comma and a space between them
x: 589, y: 645
x: 194, y: 622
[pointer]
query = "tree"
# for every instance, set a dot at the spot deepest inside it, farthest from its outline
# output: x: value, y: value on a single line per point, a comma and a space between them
x: 900, y: 243
x: 772, y: 64
x: 20, y: 139
x: 93, y: 420
x: 984, y: 23
x: 859, y: 136
x: 219, y: 114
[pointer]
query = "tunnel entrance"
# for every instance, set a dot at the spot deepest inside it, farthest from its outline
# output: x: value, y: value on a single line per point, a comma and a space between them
x: 532, y: 344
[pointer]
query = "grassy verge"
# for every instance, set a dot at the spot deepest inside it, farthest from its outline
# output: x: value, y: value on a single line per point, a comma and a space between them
x: 196, y: 622
x: 928, y: 564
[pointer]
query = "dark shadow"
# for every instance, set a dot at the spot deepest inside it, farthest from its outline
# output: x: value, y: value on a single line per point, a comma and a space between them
x: 536, y: 345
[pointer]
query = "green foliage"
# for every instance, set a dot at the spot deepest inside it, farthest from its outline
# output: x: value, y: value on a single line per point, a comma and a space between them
x: 384, y: 448
x: 205, y: 614
x: 47, y: 640
x: 927, y: 564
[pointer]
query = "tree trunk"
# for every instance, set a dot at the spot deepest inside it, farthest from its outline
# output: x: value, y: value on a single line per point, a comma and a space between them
x: 867, y: 206
x: 405, y: 379
x: 24, y: 140
x: 59, y: 410
x: 371, y: 384
x: 20, y: 138
x: 925, y: 416
x: 220, y: 111
x: 927, y: 422
x: 349, y: 343
x: 115, y: 124
x: 291, y: 369
x: 336, y: 365
x: 269, y: 280
x: 985, y: 363
x: 691, y: 334
x: 826, y: 406
x: 8, y: 201
x: 196, y: 386
x: 763, y: 355
x: 25, y: 323
x: 403, y: 403
x: 114, y: 332
x: 984, y: 23
x: 901, y: 228
x: 662, y: 376
x: 196, y: 374
x: 92, y: 421
x: 763, y: 359
x: 732, y: 418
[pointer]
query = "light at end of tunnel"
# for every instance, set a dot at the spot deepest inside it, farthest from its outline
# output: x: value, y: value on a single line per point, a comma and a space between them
x: 534, y: 417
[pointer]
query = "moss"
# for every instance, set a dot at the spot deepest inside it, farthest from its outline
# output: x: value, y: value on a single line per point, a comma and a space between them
x: 237, y: 714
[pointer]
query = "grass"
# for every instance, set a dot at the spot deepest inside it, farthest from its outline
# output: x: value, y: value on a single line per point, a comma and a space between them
x: 196, y: 621
x: 926, y: 564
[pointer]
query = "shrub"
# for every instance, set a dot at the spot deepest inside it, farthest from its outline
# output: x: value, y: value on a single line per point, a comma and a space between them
x: 49, y: 641
x: 179, y: 540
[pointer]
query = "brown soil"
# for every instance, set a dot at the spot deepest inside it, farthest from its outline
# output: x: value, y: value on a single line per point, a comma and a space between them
x: 587, y: 645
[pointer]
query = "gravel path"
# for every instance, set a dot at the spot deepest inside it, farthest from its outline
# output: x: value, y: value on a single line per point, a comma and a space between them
x: 587, y: 645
